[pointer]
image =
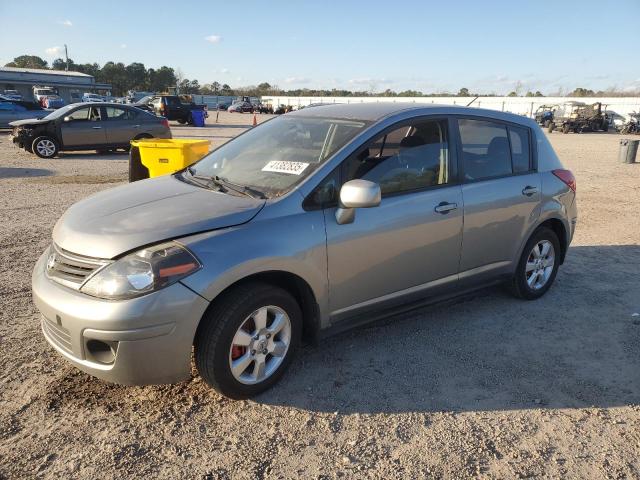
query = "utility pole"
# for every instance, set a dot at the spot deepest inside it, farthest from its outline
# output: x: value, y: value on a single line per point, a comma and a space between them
x: 66, y: 54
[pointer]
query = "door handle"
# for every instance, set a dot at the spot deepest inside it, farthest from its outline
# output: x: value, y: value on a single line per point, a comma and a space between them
x: 529, y: 190
x: 96, y: 128
x: 445, y: 207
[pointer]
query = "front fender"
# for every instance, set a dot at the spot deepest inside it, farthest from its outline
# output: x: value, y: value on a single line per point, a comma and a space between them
x: 293, y: 244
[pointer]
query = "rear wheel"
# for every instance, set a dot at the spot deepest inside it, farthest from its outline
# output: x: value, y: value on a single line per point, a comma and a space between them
x: 45, y: 147
x: 248, y: 339
x: 566, y: 128
x: 182, y: 121
x: 538, y: 265
x: 551, y: 127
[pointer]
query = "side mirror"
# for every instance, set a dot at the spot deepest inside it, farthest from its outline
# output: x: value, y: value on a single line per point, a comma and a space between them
x: 357, y: 194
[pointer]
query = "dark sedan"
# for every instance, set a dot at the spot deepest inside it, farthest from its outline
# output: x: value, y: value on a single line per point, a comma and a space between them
x: 98, y: 126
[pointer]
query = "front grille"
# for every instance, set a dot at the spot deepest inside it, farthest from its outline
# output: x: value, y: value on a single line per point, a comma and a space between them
x: 57, y: 334
x: 70, y: 269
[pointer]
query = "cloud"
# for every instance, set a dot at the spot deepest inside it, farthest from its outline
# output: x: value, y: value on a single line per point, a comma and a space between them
x: 213, y: 38
x: 296, y: 80
x: 54, y: 51
x: 123, y: 45
x: 224, y: 70
x: 372, y: 83
x: 66, y: 23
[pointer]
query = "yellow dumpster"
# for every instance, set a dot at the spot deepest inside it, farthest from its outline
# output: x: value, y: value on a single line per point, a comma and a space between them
x: 164, y: 156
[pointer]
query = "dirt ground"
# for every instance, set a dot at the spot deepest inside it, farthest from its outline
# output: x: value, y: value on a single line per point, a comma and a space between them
x: 488, y: 387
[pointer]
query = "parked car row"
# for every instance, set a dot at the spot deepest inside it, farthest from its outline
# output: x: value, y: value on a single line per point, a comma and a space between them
x: 172, y: 107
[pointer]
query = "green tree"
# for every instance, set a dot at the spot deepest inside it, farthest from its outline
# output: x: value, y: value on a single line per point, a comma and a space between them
x: 226, y: 90
x: 463, y: 92
x: 28, y: 61
x: 136, y: 76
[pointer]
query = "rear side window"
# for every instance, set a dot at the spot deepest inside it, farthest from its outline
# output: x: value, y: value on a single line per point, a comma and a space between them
x: 117, y: 113
x: 485, y: 149
x: 519, y: 139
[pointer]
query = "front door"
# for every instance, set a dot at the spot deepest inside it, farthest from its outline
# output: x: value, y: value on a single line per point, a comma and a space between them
x: 408, y: 246
x: 501, y: 194
x: 83, y: 128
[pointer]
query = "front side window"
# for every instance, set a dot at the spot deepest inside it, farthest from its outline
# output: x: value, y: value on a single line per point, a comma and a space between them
x: 85, y: 114
x: 410, y: 157
x: 279, y: 154
x: 485, y: 149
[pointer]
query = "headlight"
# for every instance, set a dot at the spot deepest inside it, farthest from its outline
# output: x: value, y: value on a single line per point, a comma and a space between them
x: 142, y: 272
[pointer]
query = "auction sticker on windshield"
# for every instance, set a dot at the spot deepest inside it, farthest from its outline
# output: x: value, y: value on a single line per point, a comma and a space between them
x: 280, y: 166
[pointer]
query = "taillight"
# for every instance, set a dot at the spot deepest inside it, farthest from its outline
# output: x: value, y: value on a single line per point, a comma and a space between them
x: 165, y: 122
x: 567, y: 177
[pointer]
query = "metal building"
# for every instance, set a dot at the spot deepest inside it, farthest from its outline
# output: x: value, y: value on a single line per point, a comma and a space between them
x: 70, y: 85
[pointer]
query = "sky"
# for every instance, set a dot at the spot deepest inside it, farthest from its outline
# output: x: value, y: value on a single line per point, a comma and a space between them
x: 488, y: 46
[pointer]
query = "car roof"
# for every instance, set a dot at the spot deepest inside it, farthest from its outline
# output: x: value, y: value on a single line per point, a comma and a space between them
x: 377, y: 111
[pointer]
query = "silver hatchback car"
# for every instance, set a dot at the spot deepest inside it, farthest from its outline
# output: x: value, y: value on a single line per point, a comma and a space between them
x: 310, y: 223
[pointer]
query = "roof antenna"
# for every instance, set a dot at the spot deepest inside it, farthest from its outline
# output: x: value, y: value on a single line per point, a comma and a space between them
x: 66, y: 54
x: 468, y: 104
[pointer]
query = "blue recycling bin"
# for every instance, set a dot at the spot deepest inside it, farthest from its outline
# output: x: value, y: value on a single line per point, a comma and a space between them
x: 198, y: 118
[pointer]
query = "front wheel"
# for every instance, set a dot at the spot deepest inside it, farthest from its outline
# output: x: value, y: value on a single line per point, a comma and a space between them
x: 538, y: 265
x: 247, y: 340
x: 45, y: 147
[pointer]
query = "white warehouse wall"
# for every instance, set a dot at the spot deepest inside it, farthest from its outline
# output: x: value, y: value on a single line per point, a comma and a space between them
x: 520, y: 105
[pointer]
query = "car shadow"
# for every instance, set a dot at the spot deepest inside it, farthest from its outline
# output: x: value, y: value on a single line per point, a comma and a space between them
x: 578, y: 346
x: 93, y: 155
x: 22, y: 172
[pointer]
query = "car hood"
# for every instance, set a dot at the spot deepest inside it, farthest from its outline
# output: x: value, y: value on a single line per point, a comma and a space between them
x: 121, y: 219
x: 29, y: 121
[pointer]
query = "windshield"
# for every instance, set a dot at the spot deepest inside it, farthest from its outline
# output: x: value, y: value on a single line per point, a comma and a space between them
x: 61, y: 112
x: 279, y: 154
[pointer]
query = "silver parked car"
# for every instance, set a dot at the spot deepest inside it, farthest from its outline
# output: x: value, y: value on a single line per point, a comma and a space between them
x: 310, y: 223
x: 83, y: 126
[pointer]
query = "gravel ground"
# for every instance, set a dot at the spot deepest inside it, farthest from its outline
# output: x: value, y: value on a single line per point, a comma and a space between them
x: 488, y: 386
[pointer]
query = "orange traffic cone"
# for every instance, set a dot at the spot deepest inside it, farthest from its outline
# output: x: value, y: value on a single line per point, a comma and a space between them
x: 255, y: 121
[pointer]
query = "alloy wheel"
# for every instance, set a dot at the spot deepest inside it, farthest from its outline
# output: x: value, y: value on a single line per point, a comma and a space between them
x: 260, y: 345
x: 540, y: 264
x: 46, y: 148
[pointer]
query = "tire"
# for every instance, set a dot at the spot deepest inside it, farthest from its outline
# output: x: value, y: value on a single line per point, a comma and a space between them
x: 566, y: 129
x: 182, y: 121
x: 547, y: 123
x: 45, y: 147
x: 551, y: 127
x: 214, y: 349
x: 523, y: 285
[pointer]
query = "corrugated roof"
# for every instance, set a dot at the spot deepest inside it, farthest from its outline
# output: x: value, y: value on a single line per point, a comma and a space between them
x: 41, y: 71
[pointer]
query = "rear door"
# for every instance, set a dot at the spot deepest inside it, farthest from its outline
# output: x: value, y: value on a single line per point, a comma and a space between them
x: 501, y: 193
x: 121, y: 124
x: 83, y: 128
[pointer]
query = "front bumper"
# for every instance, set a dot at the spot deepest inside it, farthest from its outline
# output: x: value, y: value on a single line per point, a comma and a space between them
x: 150, y: 337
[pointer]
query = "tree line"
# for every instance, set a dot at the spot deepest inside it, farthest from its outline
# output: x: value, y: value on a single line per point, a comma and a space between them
x: 136, y: 76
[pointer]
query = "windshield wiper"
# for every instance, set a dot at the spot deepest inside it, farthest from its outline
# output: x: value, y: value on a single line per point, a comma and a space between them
x: 224, y: 185
x: 236, y: 187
